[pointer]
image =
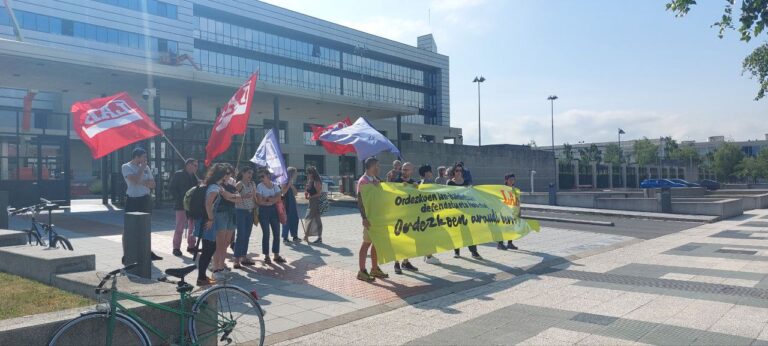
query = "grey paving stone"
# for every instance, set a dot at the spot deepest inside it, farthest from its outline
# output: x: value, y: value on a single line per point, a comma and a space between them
x: 737, y: 252
x: 626, y: 329
x: 594, y: 319
x: 671, y: 335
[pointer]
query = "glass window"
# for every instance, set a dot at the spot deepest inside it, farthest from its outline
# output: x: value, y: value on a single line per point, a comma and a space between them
x: 112, y: 36
x: 90, y: 32
x: 101, y: 34
x: 28, y: 20
x: 152, y: 6
x: 173, y: 12
x: 56, y: 26
x: 43, y: 24
x: 133, y: 40
x: 79, y: 29
x: 122, y: 38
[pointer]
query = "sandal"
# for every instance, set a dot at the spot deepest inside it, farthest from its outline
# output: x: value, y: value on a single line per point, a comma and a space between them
x: 238, y: 266
x: 206, y: 282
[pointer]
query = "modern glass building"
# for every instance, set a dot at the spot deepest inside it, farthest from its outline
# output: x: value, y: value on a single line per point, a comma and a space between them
x: 195, y: 53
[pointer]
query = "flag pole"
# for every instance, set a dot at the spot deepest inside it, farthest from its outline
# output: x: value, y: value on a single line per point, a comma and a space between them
x: 174, y: 148
x: 240, y: 152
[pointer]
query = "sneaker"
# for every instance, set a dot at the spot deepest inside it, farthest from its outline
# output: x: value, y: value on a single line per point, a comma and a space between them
x: 431, y: 260
x: 206, y: 282
x: 296, y: 240
x: 511, y: 246
x: 456, y: 254
x: 279, y: 259
x: 364, y: 276
x: 177, y: 252
x: 238, y: 266
x: 318, y: 241
x: 477, y: 256
x: 397, y: 268
x: 377, y: 273
x: 247, y: 262
x: 286, y: 241
x: 267, y: 260
x: 409, y: 266
x: 192, y: 250
x: 501, y: 246
x: 156, y: 257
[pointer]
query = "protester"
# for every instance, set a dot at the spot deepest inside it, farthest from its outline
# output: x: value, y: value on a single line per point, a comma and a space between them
x: 181, y: 182
x: 442, y: 177
x: 291, y: 208
x: 405, y: 177
x: 394, y: 174
x: 267, y: 194
x: 218, y: 218
x: 458, y: 180
x: 371, y: 165
x: 425, y: 172
x: 225, y: 220
x: 313, y: 223
x: 510, y: 180
x: 467, y: 174
x: 139, y: 181
x: 244, y: 216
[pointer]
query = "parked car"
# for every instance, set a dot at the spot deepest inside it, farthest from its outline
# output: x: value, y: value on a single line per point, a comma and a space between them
x: 684, y: 182
x: 328, y: 180
x: 658, y: 183
x: 710, y: 184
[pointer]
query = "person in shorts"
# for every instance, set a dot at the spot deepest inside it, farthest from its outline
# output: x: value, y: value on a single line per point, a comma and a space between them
x: 371, y: 165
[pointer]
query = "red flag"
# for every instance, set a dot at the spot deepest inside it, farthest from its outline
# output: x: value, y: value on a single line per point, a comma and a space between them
x: 110, y: 123
x: 27, y: 119
x: 333, y: 148
x: 233, y: 120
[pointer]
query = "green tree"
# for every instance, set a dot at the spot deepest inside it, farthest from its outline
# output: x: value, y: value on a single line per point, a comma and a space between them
x: 567, y: 155
x: 725, y: 160
x: 686, y: 155
x: 670, y: 147
x: 753, y: 19
x: 646, y: 153
x: 613, y: 154
x: 762, y: 160
x: 592, y: 153
x: 749, y: 169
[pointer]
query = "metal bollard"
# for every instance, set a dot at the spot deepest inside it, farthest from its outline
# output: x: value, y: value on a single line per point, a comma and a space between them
x: 552, y: 194
x: 137, y: 243
x: 3, y: 209
x: 665, y: 198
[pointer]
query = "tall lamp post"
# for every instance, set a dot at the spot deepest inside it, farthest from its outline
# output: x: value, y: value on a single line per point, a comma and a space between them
x: 621, y: 132
x: 552, y: 99
x: 479, y: 80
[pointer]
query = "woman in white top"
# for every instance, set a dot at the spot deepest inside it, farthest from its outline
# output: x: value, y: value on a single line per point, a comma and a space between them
x: 244, y: 216
x: 267, y: 194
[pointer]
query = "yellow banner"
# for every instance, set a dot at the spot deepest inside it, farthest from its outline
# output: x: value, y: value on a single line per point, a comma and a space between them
x: 410, y: 221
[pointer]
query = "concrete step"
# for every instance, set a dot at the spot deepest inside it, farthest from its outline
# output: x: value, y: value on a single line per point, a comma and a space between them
x: 620, y: 213
x: 42, y: 264
x: 11, y: 238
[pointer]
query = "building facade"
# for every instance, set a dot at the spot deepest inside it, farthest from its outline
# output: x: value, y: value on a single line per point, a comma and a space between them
x: 191, y: 55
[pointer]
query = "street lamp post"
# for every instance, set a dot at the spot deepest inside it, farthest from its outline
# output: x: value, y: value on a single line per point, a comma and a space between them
x: 621, y: 132
x: 552, y: 99
x: 479, y: 80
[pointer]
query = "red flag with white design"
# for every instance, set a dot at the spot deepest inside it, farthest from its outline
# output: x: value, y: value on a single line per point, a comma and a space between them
x: 331, y: 147
x: 233, y: 120
x: 110, y: 123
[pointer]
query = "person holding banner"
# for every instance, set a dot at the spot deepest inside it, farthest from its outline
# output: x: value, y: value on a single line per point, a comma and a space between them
x: 458, y: 180
x: 425, y: 172
x: 267, y: 195
x: 139, y: 182
x: 405, y: 177
x: 509, y: 180
x: 442, y: 176
x: 371, y: 165
x: 313, y: 222
x: 291, y: 208
x: 396, y: 171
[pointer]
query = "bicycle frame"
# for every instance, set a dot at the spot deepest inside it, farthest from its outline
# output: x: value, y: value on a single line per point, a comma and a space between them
x: 181, y: 313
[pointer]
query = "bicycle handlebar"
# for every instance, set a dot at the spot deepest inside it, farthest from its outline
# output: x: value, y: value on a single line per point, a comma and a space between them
x: 113, y: 273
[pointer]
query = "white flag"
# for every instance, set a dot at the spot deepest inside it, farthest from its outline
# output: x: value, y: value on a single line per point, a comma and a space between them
x: 269, y: 155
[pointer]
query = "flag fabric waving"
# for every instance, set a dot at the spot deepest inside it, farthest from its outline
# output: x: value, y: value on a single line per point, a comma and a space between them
x: 268, y: 155
x: 233, y: 120
x: 333, y: 148
x: 110, y: 123
x: 363, y: 137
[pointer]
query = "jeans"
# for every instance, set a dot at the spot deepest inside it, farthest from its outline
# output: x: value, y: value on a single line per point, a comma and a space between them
x: 292, y: 227
x: 244, y: 221
x: 181, y: 222
x: 268, y: 217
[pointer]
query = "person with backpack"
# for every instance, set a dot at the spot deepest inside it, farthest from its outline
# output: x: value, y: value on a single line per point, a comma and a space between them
x: 218, y: 219
x: 244, y: 216
x: 181, y: 182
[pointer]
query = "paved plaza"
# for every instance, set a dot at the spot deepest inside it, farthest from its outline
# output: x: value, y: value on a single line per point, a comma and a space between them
x: 668, y: 283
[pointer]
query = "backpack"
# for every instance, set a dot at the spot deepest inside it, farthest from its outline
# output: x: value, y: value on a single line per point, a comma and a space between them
x: 194, y: 202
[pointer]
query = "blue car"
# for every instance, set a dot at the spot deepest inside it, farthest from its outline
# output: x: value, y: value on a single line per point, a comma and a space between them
x: 684, y: 182
x: 658, y: 183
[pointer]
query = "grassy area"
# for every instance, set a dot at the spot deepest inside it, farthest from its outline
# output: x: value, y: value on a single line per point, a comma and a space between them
x: 22, y: 297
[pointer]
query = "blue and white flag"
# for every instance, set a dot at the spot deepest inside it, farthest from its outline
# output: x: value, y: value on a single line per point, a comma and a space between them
x: 361, y: 135
x: 269, y: 155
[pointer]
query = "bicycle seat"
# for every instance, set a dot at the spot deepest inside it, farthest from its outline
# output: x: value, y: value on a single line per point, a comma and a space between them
x: 180, y: 272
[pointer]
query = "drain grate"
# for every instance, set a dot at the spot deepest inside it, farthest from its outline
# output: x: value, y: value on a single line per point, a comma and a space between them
x: 737, y: 252
x: 680, y: 285
x: 594, y: 319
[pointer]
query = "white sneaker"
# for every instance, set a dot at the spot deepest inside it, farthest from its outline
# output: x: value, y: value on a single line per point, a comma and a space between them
x: 431, y: 260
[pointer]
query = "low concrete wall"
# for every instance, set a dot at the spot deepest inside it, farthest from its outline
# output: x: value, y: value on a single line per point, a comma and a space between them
x: 634, y: 204
x: 12, y: 238
x: 724, y: 208
x: 749, y: 202
x: 536, y: 198
x: 36, y: 263
x: 680, y: 192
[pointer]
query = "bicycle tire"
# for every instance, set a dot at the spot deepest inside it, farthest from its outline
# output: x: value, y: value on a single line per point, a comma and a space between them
x: 33, y: 238
x: 92, y: 327
x: 63, y: 242
x: 203, y: 326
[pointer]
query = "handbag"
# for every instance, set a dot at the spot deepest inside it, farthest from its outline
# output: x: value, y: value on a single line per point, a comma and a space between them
x: 281, y: 214
x: 325, y: 204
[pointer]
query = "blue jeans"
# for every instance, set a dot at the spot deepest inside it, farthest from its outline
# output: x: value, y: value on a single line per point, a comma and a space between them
x: 292, y: 211
x: 268, y: 217
x: 244, y: 220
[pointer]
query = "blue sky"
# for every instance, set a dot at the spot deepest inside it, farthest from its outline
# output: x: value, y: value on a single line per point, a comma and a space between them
x: 628, y: 64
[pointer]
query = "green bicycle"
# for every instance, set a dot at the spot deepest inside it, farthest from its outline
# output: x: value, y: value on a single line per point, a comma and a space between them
x: 221, y: 315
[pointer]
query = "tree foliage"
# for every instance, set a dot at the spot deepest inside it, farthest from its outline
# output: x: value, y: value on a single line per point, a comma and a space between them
x: 686, y: 155
x: 613, y: 154
x: 593, y: 153
x: 646, y: 153
x: 567, y: 155
x: 726, y: 158
x: 753, y: 20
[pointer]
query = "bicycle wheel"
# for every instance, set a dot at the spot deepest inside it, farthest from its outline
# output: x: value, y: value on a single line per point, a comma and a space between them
x: 91, y: 329
x: 226, y: 314
x: 33, y: 238
x: 62, y: 242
